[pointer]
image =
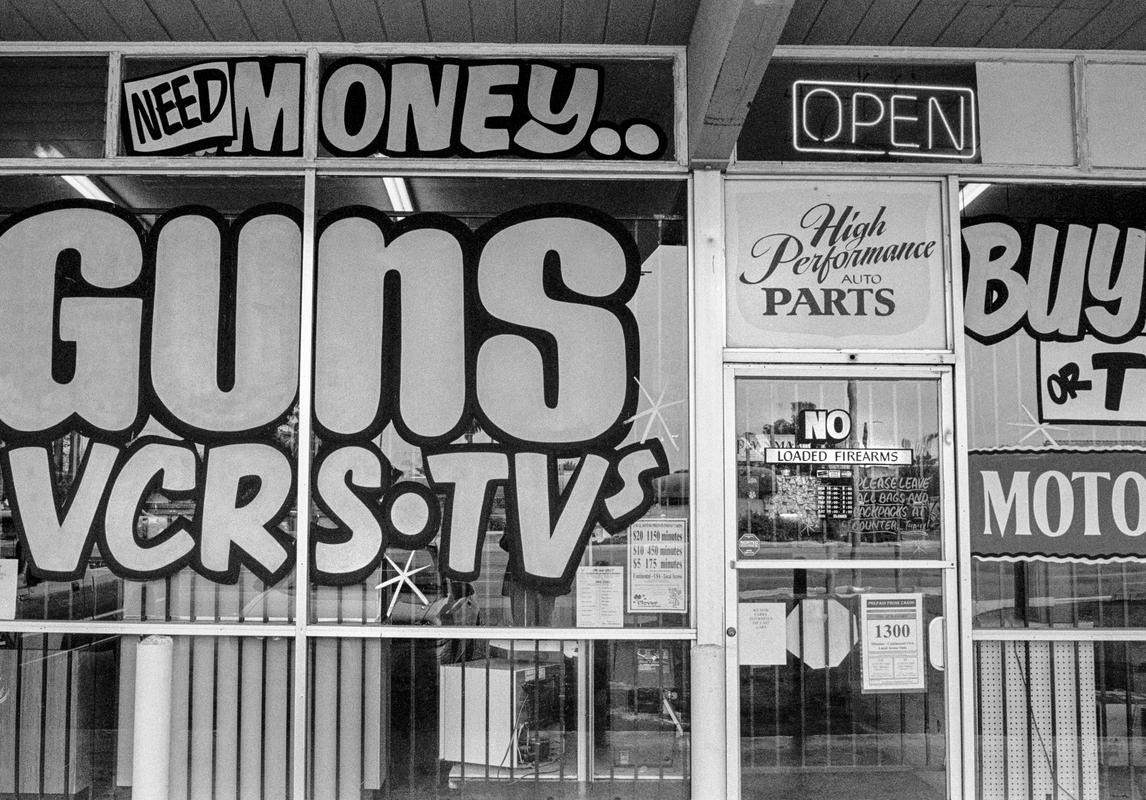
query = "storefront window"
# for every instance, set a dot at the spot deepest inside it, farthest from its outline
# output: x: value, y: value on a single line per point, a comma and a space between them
x: 494, y: 433
x: 1055, y: 433
x: 516, y: 108
x: 421, y: 717
x: 1053, y: 283
x: 52, y: 107
x: 96, y: 715
x: 868, y: 487
x: 841, y: 681
x: 127, y: 467
x: 628, y: 574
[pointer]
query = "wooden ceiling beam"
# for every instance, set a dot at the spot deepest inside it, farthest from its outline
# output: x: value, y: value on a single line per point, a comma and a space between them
x: 728, y: 50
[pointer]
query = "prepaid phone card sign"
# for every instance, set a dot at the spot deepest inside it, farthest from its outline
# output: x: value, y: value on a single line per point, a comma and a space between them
x: 656, y: 563
x: 892, y: 643
x: 835, y: 264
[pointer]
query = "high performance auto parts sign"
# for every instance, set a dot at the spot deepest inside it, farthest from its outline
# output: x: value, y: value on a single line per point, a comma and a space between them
x: 173, y: 349
x: 835, y: 264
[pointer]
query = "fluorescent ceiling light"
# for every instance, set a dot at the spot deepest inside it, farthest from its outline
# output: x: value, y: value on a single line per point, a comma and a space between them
x: 83, y: 185
x: 969, y: 192
x: 86, y: 187
x: 399, y: 195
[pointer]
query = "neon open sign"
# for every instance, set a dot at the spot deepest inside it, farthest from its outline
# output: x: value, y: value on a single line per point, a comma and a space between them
x: 884, y: 119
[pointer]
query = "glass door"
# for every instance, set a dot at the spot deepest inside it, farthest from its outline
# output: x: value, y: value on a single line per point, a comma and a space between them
x: 840, y: 507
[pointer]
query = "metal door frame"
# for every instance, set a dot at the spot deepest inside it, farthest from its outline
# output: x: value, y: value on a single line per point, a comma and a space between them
x: 955, y: 648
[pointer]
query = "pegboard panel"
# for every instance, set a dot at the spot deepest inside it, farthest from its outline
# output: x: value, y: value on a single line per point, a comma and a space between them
x: 1036, y: 698
x: 1015, y: 701
x: 992, y: 720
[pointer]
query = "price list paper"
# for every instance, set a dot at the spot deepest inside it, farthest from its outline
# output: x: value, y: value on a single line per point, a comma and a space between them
x: 656, y: 564
x: 891, y: 628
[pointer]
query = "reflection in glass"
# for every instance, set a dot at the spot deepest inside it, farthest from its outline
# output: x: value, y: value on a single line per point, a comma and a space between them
x: 416, y: 718
x: 788, y: 509
x: 70, y: 706
x: 1038, y: 594
x: 52, y: 108
x: 808, y: 726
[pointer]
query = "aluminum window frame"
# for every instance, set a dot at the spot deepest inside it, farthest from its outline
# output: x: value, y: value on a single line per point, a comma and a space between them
x: 309, y: 167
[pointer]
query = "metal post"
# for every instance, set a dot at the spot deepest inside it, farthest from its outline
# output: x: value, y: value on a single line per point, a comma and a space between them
x: 710, y: 769
x: 151, y: 745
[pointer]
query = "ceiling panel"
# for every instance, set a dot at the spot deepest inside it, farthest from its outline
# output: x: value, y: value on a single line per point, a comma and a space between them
x: 181, y: 20
x: 1015, y: 25
x: 1074, y: 24
x: 492, y: 20
x: 314, y: 20
x: 928, y: 20
x: 226, y: 20
x: 660, y: 22
x: 449, y: 21
x: 1108, y: 24
x: 13, y: 25
x: 270, y: 20
x: 1134, y: 38
x: 801, y: 20
x: 538, y: 21
x: 971, y: 24
x: 583, y: 21
x: 361, y: 20
x: 93, y: 19
x: 836, y: 22
x: 672, y: 21
x: 1059, y: 26
x: 49, y: 20
x: 628, y: 21
x: 881, y: 21
x: 405, y: 20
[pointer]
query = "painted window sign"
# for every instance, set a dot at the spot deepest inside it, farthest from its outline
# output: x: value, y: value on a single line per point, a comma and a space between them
x: 1058, y: 504
x: 1077, y: 291
x: 403, y: 107
x: 175, y: 349
x: 834, y: 264
x: 243, y: 107
x: 1058, y: 307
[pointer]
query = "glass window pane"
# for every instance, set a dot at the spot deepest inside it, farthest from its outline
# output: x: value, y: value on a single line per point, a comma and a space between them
x: 413, y: 718
x: 216, y: 712
x: 112, y: 414
x: 241, y: 107
x: 865, y: 485
x: 811, y: 722
x: 428, y: 311
x: 52, y: 107
x: 1053, y: 423
x: 367, y: 111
